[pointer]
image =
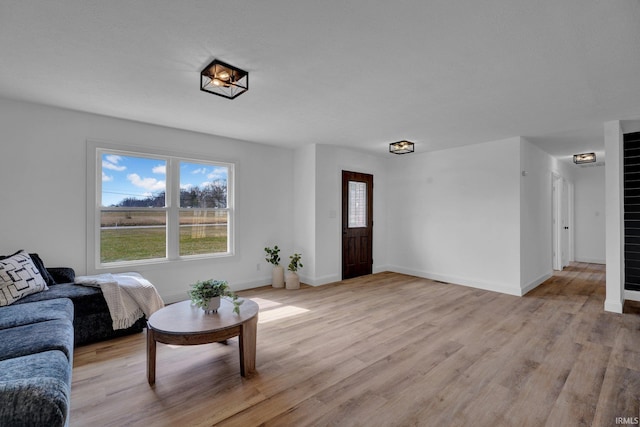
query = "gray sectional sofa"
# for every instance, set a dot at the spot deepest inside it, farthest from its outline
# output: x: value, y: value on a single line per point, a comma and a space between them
x: 38, y: 333
x: 36, y: 358
x: 92, y: 321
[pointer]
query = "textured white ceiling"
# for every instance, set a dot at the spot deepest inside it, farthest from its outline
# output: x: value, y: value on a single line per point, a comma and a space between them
x: 359, y: 73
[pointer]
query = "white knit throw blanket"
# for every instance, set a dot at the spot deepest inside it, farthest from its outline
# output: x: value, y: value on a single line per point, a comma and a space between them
x: 128, y: 296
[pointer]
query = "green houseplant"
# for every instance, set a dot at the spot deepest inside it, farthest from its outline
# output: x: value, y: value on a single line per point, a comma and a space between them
x: 273, y: 256
x: 295, y: 262
x: 277, y: 272
x: 206, y: 294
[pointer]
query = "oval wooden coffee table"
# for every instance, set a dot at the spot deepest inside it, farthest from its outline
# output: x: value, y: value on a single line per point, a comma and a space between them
x: 184, y: 324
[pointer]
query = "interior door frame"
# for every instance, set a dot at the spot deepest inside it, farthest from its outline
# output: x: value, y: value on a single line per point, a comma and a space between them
x: 561, y: 216
x: 556, y: 250
x: 564, y: 224
x: 368, y: 178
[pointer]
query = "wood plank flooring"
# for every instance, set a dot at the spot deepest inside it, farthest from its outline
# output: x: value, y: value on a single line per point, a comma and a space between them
x: 386, y: 350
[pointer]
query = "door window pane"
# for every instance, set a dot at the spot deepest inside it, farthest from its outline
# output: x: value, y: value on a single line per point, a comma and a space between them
x: 357, y: 204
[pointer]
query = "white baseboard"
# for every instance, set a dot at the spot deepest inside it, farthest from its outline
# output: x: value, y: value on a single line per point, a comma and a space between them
x: 170, y: 299
x: 591, y: 260
x: 632, y: 295
x: 323, y: 280
x: 252, y: 284
x: 236, y: 286
x: 487, y: 286
x: 332, y: 278
x: 613, y: 306
x: 381, y: 268
x: 535, y: 283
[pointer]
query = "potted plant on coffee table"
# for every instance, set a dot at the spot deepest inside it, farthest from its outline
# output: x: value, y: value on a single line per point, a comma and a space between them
x: 206, y: 294
x: 293, y: 281
x: 277, y: 272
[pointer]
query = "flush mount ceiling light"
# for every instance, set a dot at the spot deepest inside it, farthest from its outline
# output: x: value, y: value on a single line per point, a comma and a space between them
x: 579, y: 159
x: 401, y: 147
x: 223, y: 79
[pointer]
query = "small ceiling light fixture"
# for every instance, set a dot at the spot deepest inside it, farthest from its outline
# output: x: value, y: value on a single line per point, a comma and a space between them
x: 579, y: 159
x: 401, y: 147
x: 223, y: 79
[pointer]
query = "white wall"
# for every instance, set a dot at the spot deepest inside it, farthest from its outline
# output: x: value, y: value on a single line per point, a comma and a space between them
x: 464, y: 215
x: 454, y: 215
x: 614, y: 217
x: 589, y: 225
x: 43, y: 171
x: 304, y: 213
x: 535, y: 216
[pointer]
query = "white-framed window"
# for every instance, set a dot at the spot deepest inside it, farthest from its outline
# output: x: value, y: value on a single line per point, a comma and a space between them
x: 152, y: 207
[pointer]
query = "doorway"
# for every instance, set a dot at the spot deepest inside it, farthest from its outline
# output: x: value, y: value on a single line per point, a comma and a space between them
x: 562, y: 212
x: 357, y: 224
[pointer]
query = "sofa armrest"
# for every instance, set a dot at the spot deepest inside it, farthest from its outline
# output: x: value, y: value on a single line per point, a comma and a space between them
x: 37, y: 401
x: 62, y: 274
x: 35, y: 390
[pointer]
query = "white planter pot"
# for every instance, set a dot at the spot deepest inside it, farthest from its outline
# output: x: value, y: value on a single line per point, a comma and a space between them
x: 293, y: 281
x: 213, y: 306
x: 277, y: 276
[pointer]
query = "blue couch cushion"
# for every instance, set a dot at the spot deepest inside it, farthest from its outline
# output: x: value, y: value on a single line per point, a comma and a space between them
x: 37, y: 337
x: 92, y: 321
x: 35, y: 390
x: 62, y: 274
x: 88, y: 300
x: 40, y: 311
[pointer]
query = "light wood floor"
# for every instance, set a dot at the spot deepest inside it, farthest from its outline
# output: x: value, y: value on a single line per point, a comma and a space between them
x: 387, y: 350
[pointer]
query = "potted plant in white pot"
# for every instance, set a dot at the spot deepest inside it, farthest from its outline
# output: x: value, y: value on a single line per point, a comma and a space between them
x: 206, y: 294
x: 293, y: 281
x: 277, y: 272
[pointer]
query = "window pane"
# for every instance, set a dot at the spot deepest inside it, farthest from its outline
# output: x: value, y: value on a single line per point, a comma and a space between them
x: 130, y: 181
x: 203, y: 231
x: 357, y: 204
x: 203, y: 185
x: 132, y: 235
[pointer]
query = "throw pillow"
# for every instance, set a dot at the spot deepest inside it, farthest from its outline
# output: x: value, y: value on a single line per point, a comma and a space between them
x: 19, y: 277
x: 62, y: 274
x: 37, y: 261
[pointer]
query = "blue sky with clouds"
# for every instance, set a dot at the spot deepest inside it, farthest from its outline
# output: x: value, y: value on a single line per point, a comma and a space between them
x: 140, y: 177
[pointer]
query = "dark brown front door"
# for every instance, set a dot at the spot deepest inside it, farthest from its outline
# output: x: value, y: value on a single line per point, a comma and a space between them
x: 357, y: 224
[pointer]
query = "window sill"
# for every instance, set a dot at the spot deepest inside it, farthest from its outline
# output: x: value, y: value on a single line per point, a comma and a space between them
x: 150, y: 264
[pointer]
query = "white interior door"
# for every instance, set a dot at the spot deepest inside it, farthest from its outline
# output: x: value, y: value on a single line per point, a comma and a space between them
x: 561, y: 208
x: 556, y: 183
x: 564, y: 223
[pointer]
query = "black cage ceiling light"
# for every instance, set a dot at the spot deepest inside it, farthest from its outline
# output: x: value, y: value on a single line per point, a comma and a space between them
x: 401, y: 147
x: 579, y: 159
x: 223, y: 79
